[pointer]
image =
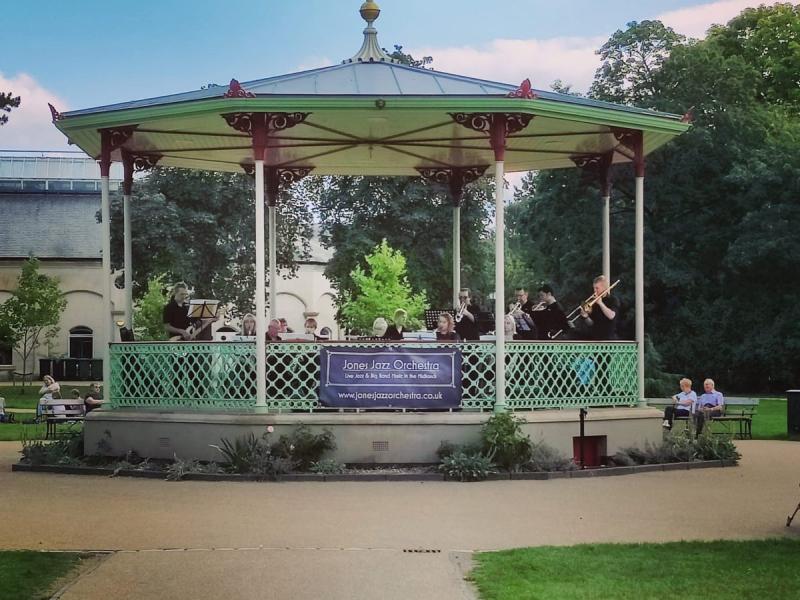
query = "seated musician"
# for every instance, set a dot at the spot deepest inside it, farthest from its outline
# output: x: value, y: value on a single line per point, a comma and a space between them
x: 379, y: 327
x: 684, y: 404
x: 711, y: 403
x: 310, y: 326
x: 446, y: 330
x: 549, y: 316
x: 522, y: 312
x: 285, y: 325
x: 467, y: 325
x: 176, y: 313
x: 602, y: 318
x: 395, y: 331
x: 509, y: 327
x: 273, y: 331
x: 249, y: 325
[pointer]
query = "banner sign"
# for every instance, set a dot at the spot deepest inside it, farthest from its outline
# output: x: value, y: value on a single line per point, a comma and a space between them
x: 391, y: 377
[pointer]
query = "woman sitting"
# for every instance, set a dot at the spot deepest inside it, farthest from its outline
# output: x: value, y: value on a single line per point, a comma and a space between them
x: 249, y: 325
x: 684, y: 405
x: 446, y: 330
x: 395, y: 331
x: 50, y: 391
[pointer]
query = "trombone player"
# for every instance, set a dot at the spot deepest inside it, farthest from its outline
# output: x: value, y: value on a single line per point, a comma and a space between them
x: 522, y: 312
x: 466, y: 317
x: 602, y: 317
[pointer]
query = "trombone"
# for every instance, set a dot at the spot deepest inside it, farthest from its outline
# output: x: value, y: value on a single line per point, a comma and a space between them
x: 585, y: 306
x: 514, y: 309
x: 460, y: 313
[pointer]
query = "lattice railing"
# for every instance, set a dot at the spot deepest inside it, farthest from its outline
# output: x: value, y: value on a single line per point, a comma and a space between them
x: 222, y: 376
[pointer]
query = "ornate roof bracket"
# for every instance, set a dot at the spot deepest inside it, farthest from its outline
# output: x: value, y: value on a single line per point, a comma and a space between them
x: 497, y: 125
x: 250, y: 122
x: 276, y: 178
x: 632, y: 140
x: 111, y: 139
x: 455, y: 178
x: 596, y: 168
x: 138, y: 162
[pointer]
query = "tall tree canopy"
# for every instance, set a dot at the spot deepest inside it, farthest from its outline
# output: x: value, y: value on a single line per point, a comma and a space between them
x: 7, y: 101
x: 720, y: 203
x: 198, y: 226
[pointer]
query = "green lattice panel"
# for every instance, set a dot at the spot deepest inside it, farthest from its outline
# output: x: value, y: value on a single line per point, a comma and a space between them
x: 563, y: 375
x: 187, y: 375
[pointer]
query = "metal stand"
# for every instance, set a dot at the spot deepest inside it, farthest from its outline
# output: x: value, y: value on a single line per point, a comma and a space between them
x: 790, y: 518
x: 582, y: 415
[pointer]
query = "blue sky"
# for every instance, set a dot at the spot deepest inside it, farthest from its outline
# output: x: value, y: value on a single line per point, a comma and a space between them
x: 87, y: 53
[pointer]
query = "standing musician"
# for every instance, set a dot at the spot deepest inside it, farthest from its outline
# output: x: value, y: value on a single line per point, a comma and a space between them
x: 548, y: 315
x: 395, y: 330
x: 602, y: 320
x: 523, y: 316
x: 467, y: 317
x: 176, y: 313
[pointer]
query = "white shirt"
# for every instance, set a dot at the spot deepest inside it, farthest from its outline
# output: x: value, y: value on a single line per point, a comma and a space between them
x: 683, y: 397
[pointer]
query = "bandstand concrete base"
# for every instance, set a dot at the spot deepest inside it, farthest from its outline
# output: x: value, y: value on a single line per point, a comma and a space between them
x: 365, y: 438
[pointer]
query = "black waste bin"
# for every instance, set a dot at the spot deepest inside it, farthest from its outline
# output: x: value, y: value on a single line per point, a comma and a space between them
x: 45, y: 367
x: 793, y: 413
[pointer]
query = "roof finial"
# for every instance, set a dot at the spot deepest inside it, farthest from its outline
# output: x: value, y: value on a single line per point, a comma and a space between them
x: 371, y: 50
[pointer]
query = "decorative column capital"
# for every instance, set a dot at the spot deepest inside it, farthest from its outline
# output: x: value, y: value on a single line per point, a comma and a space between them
x: 497, y: 125
x: 138, y: 162
x: 276, y: 178
x: 111, y: 139
x: 596, y: 168
x: 455, y: 178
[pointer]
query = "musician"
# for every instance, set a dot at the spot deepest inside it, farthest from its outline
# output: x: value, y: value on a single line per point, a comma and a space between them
x: 395, y: 331
x: 549, y: 316
x: 446, y: 330
x: 602, y: 319
x: 273, y: 331
x: 523, y: 316
x: 467, y: 326
x: 249, y: 325
x: 176, y: 313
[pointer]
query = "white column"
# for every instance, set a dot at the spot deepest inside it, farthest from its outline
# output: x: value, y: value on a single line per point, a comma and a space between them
x: 128, y: 260
x: 607, y: 238
x: 261, y: 305
x: 456, y: 254
x: 499, y: 289
x: 273, y: 265
x: 108, y: 329
x: 639, y: 236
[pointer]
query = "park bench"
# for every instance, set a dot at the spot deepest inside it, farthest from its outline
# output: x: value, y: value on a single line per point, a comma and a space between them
x: 8, y: 369
x: 62, y: 411
x: 738, y: 412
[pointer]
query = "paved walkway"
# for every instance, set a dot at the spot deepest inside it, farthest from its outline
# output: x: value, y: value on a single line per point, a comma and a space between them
x: 347, y: 540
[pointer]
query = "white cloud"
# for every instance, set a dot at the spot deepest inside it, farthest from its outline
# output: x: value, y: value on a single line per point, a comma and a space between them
x: 571, y: 59
x: 694, y: 21
x: 30, y: 126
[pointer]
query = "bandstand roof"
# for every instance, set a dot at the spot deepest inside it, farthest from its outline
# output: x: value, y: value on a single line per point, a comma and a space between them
x: 368, y: 116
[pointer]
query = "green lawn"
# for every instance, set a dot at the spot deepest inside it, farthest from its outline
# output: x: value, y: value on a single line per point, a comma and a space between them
x: 769, y: 423
x: 26, y: 575
x: 12, y: 432
x: 16, y: 399
x: 686, y: 570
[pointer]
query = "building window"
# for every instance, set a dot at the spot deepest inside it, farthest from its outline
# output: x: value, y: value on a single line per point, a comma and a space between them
x: 81, y: 344
x: 6, y: 356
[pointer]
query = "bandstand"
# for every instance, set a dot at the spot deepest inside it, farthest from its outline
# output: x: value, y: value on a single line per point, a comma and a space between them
x: 366, y: 116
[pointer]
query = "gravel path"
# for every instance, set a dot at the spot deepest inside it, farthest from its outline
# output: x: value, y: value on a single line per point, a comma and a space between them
x: 364, y: 528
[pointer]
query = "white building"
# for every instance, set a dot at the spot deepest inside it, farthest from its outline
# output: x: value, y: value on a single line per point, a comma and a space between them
x: 48, y: 209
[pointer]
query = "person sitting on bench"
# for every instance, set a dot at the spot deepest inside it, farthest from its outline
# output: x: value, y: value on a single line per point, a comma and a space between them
x: 710, y: 404
x: 684, y: 403
x: 50, y: 390
x: 93, y: 399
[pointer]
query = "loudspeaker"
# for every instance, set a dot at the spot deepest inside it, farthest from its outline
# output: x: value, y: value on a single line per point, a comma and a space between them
x: 793, y: 413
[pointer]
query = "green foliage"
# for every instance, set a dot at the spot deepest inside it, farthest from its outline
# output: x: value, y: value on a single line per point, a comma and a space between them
x: 30, y: 575
x: 239, y: 454
x: 720, y: 205
x: 255, y: 455
x: 34, y: 307
x: 179, y: 468
x: 304, y: 447
x: 9, y: 101
x: 503, y: 440
x: 67, y: 450
x: 467, y: 467
x: 148, y: 310
x: 198, y: 227
x: 381, y: 290
x: 327, y: 466
x: 680, y: 447
x: 546, y: 458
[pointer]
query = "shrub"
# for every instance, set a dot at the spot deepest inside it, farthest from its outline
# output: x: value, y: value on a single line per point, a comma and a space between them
x: 179, y: 468
x: 304, y: 447
x: 254, y: 455
x: 546, y: 458
x: 716, y: 447
x: 467, y: 467
x: 65, y: 451
x: 239, y: 453
x: 503, y: 440
x: 327, y: 466
x: 680, y: 447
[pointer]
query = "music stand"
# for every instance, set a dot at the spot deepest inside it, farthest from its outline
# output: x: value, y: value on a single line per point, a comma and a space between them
x: 432, y: 316
x: 203, y: 309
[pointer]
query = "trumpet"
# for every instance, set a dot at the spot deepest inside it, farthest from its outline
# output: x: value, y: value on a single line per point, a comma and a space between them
x: 514, y: 309
x: 460, y: 313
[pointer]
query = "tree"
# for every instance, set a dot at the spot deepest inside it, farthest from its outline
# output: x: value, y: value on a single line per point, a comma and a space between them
x: 35, y: 306
x: 382, y: 289
x: 197, y: 227
x: 149, y: 321
x: 7, y: 102
x: 629, y: 61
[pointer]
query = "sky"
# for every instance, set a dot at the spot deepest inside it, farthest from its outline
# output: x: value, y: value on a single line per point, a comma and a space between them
x: 86, y: 53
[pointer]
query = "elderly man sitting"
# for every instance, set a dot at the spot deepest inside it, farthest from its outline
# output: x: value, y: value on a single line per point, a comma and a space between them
x: 710, y: 404
x: 684, y: 405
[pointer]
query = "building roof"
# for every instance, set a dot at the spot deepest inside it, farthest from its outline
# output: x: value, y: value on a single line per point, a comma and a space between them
x: 50, y: 226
